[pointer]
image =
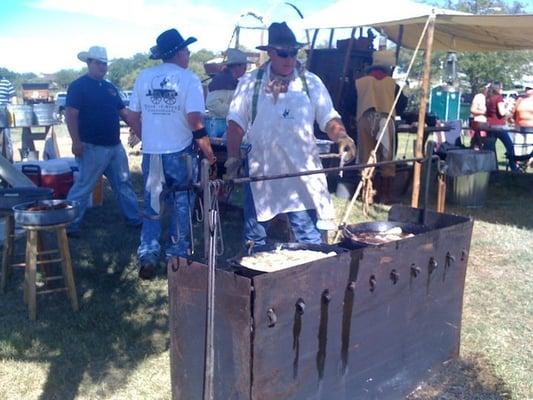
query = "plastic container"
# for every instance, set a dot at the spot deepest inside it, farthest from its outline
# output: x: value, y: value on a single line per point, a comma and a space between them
x: 216, y: 127
x: 55, y: 174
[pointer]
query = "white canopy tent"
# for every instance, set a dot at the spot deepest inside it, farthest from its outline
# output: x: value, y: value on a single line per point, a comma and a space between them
x: 454, y: 30
x: 405, y: 23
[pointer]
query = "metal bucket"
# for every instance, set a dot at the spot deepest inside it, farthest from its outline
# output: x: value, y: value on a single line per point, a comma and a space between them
x: 43, y: 114
x: 22, y: 114
x: 468, y: 190
x: 3, y: 117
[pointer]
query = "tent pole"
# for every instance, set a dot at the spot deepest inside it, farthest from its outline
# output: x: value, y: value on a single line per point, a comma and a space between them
x: 345, y: 67
x: 422, y: 112
x: 399, y: 44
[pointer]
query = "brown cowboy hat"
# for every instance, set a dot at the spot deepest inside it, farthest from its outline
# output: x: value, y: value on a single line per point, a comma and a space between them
x: 168, y: 43
x: 280, y: 36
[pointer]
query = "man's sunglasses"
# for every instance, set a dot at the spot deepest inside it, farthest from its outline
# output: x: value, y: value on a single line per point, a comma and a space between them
x: 286, y: 53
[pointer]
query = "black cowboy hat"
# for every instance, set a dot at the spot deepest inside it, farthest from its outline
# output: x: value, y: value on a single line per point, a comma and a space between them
x: 168, y: 43
x: 280, y: 36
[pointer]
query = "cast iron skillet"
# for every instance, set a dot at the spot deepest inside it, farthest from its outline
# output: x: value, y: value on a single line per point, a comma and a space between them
x: 376, y: 226
x: 249, y: 272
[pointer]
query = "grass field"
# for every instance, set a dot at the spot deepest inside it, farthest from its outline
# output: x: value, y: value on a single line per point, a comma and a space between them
x: 116, y: 347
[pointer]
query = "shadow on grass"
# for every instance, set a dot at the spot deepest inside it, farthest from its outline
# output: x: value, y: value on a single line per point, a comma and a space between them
x: 121, y: 322
x: 463, y: 380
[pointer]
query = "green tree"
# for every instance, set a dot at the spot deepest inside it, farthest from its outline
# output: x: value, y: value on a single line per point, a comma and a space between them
x: 65, y: 76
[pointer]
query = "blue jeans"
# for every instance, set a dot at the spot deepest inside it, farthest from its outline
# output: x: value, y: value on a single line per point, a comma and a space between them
x: 175, y: 171
x: 303, y: 223
x: 509, y: 147
x: 112, y: 162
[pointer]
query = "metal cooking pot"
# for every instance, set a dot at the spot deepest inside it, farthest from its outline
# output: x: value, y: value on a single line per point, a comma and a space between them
x: 13, y: 196
x: 250, y: 272
x: 58, y: 212
x: 376, y: 227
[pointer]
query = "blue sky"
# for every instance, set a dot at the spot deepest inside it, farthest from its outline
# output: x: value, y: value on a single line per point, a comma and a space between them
x: 45, y: 35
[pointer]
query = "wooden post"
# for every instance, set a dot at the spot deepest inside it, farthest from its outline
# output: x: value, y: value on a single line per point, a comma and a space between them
x: 422, y: 112
x: 312, y: 49
x: 441, y: 193
x: 340, y: 87
x: 399, y: 45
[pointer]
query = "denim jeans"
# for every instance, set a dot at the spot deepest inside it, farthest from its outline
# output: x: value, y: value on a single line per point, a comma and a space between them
x: 509, y: 147
x: 112, y: 162
x: 303, y: 223
x: 175, y: 171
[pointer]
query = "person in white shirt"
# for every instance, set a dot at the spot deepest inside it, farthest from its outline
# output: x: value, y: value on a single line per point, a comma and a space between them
x: 168, y: 99
x: 478, y: 110
x: 276, y: 107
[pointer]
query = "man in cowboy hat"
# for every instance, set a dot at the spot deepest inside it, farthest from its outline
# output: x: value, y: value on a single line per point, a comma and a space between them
x: 375, y: 93
x: 224, y: 83
x: 93, y: 112
x: 276, y: 107
x: 169, y: 99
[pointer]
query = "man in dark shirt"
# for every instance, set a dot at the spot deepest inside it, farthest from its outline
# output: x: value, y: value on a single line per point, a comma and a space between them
x: 93, y: 112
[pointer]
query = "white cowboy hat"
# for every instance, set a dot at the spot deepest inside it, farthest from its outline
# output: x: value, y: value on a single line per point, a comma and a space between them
x: 94, y: 53
x: 235, y: 56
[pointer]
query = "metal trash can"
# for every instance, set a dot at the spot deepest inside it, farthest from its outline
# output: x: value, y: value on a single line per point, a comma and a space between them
x: 468, y: 175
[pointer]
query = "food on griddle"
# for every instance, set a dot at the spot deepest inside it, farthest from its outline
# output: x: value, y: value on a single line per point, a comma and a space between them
x: 275, y: 260
x: 390, y: 235
x: 47, y: 207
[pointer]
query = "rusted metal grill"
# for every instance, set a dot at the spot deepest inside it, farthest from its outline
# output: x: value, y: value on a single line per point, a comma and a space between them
x: 365, y: 324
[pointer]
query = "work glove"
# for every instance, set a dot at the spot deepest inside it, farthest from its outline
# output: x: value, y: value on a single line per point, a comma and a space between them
x: 347, y: 149
x: 133, y: 139
x: 233, y: 168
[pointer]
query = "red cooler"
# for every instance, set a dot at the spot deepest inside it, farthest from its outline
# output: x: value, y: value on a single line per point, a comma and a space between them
x: 55, y: 174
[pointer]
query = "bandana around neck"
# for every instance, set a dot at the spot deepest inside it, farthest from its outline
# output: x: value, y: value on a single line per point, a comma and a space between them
x: 280, y: 84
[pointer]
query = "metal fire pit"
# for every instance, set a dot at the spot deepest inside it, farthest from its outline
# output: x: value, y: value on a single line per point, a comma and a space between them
x: 369, y: 323
x: 46, y: 212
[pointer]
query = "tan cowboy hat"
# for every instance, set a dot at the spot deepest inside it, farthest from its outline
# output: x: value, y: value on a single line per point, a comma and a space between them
x: 382, y: 59
x: 235, y: 56
x: 95, y: 53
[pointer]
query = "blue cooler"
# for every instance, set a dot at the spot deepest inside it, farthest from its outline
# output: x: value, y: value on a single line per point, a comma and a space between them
x: 216, y: 127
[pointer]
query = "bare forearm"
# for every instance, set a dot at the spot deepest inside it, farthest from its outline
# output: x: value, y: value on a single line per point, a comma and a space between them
x: 205, y: 146
x: 235, y: 135
x: 134, y: 121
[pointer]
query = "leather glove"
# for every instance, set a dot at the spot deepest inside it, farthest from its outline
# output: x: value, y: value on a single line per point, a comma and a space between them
x: 347, y: 148
x: 133, y: 140
x: 233, y: 168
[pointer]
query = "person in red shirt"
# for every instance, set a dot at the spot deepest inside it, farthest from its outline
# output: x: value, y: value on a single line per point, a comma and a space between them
x: 496, y: 117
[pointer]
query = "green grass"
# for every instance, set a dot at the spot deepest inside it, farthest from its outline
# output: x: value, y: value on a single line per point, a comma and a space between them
x: 116, y: 347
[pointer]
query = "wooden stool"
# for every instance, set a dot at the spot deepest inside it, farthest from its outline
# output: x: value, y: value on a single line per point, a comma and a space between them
x: 34, y: 258
x: 8, y: 249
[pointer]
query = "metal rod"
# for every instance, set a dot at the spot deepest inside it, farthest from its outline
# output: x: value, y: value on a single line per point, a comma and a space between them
x: 334, y: 170
x: 422, y: 111
x: 204, y: 182
x: 209, y: 359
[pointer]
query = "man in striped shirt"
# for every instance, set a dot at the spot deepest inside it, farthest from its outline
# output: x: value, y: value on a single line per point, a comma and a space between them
x: 7, y: 95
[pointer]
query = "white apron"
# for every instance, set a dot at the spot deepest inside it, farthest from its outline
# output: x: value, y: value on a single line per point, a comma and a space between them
x: 282, y: 141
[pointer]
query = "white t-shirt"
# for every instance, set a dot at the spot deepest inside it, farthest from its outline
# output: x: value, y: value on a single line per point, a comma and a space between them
x: 164, y: 95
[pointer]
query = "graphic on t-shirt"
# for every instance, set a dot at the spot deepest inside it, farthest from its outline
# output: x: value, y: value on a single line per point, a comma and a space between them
x: 162, y: 90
